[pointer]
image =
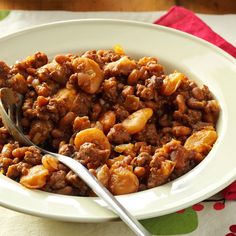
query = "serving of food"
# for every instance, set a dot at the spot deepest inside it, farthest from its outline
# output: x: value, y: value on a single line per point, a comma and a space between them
x: 154, y: 122
x: 130, y: 124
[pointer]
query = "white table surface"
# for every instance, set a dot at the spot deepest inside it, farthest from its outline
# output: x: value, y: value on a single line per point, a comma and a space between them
x: 18, y: 224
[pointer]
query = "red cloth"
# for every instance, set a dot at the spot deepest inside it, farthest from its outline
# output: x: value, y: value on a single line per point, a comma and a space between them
x: 182, y: 19
x: 229, y: 193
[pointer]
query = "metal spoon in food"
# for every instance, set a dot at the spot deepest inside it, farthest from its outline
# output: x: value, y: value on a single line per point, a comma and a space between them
x: 10, y: 106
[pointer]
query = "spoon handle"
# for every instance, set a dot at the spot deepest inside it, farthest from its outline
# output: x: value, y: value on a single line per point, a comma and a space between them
x: 103, y: 193
x: 74, y: 165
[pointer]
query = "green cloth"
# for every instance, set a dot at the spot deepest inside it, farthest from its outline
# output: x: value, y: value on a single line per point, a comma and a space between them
x: 3, y: 14
x: 172, y: 224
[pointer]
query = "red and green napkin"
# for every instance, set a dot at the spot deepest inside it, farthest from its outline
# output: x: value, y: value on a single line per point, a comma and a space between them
x: 182, y: 19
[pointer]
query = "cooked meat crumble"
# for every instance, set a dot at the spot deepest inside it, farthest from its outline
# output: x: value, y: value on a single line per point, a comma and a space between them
x: 133, y: 126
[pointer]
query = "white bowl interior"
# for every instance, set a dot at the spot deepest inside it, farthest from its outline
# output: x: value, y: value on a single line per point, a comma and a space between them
x: 200, y: 61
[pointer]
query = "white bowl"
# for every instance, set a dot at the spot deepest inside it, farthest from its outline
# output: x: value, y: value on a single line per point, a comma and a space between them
x: 196, y: 58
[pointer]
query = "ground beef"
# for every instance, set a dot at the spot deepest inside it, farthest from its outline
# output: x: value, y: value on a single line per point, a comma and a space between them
x: 18, y: 83
x: 189, y: 119
x: 81, y: 104
x: 128, y: 91
x: 168, y: 162
x: 57, y: 180
x: 133, y: 126
x: 143, y: 147
x: 96, y: 111
x: 121, y: 112
x: 4, y: 71
x: 156, y: 178
x: 151, y: 88
x: 32, y: 156
x: 118, y: 134
x: 16, y: 170
x: 4, y: 135
x: 148, y: 134
x: 40, y: 131
x: 143, y: 159
x: 184, y: 160
x: 91, y: 155
x: 145, y: 92
x: 102, y: 56
x: 55, y: 109
x: 66, y: 150
x: 81, y: 123
x: 27, y: 108
x: 132, y: 103
x: 110, y: 88
x: 59, y: 72
x: 76, y: 182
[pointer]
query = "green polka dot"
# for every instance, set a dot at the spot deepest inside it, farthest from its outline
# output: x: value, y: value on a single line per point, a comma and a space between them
x: 3, y: 14
x: 172, y: 224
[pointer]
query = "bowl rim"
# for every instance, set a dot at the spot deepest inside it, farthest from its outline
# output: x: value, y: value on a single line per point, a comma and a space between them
x: 117, y: 21
x: 220, y: 184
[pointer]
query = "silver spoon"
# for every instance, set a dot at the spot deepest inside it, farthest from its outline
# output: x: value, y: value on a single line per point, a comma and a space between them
x: 10, y: 100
